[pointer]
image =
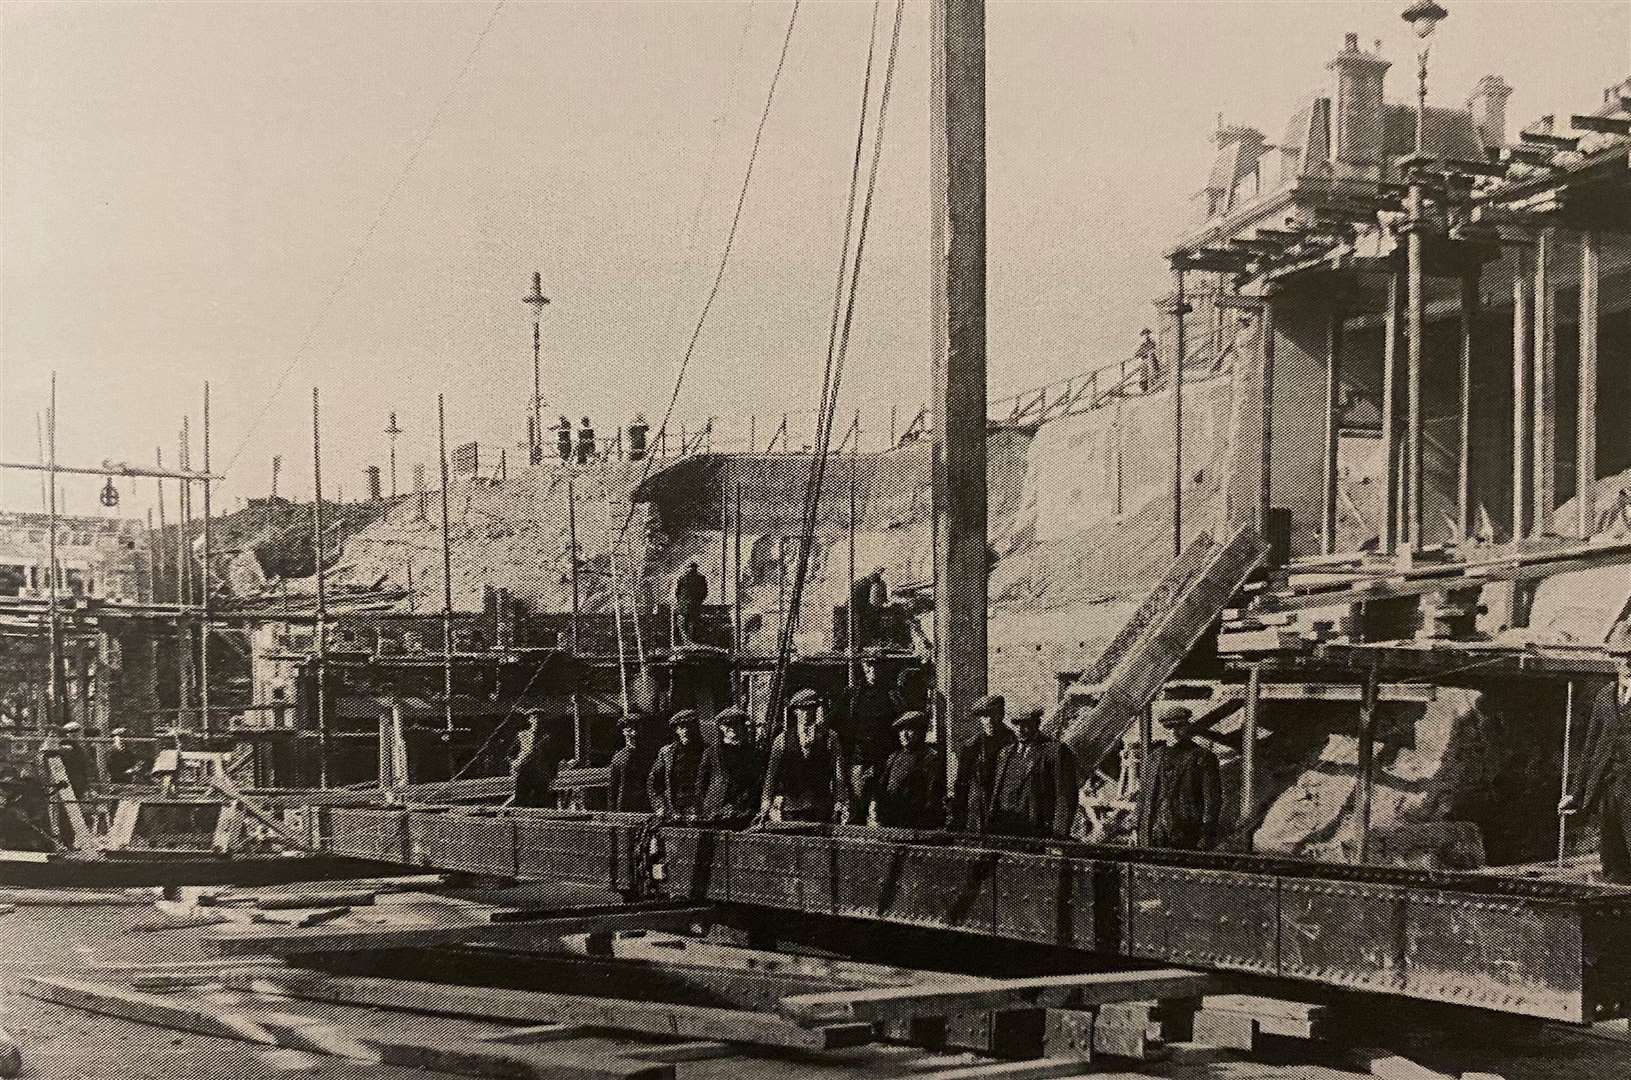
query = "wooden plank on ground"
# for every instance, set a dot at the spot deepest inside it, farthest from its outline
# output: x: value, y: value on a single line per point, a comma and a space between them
x: 642, y: 1017
x: 702, y: 1050
x: 1038, y: 1069
x: 266, y: 1027
x: 963, y: 995
x: 536, y: 1033
x: 421, y: 926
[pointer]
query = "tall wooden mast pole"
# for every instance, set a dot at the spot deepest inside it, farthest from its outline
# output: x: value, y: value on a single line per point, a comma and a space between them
x: 54, y: 693
x: 320, y: 634
x: 447, y: 573
x: 957, y: 236
x: 204, y: 626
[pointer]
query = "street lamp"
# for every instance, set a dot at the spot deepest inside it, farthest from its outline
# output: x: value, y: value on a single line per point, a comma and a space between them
x: 536, y: 301
x: 1423, y: 17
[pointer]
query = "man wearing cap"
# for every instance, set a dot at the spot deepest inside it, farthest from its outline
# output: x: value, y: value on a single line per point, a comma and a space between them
x: 1033, y: 790
x: 631, y: 766
x: 912, y: 788
x: 809, y: 766
x: 1603, y: 782
x: 731, y: 774
x: 538, y: 766
x: 977, y: 766
x: 122, y: 760
x: 1181, y: 794
x: 673, y: 782
x: 870, y: 714
x: 690, y: 592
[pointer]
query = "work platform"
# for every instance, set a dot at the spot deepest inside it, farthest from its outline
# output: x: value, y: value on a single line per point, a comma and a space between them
x: 1557, y: 950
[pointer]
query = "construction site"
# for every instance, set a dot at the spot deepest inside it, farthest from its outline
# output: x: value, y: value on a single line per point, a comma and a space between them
x: 1254, y: 702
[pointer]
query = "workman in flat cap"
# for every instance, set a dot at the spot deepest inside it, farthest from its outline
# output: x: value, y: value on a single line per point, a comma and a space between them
x: 1033, y: 791
x: 731, y: 775
x: 627, y: 791
x: 673, y: 781
x: 1603, y: 781
x: 808, y: 776
x: 977, y: 765
x: 912, y: 786
x: 1181, y: 795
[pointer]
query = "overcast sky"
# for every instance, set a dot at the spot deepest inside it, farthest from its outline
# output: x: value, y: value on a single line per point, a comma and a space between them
x: 354, y: 196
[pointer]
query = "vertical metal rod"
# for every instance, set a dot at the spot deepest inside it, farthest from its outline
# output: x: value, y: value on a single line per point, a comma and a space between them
x: 39, y: 448
x: 1544, y: 387
x: 736, y: 591
x: 1265, y: 493
x: 1179, y: 349
x: 447, y: 571
x: 1390, y: 416
x: 1248, y: 745
x: 1585, y: 455
x: 54, y: 631
x: 1414, y: 418
x: 1333, y: 430
x: 204, y: 626
x: 1520, y: 398
x: 849, y: 601
x: 1568, y: 738
x: 320, y: 635
x: 1367, y: 759
x: 1471, y: 301
x: 580, y: 737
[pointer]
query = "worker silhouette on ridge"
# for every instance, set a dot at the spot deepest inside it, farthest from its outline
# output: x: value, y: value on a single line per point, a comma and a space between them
x: 690, y: 592
x: 563, y: 439
x: 586, y: 442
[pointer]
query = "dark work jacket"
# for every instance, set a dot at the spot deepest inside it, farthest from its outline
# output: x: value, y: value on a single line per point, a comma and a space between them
x: 626, y: 790
x: 1033, y: 794
x: 535, y: 778
x: 75, y: 764
x: 813, y: 786
x: 976, y: 769
x: 1180, y: 798
x: 122, y: 764
x: 912, y: 791
x: 730, y: 779
x: 870, y: 712
x: 674, y: 785
x: 690, y: 591
x: 1605, y: 757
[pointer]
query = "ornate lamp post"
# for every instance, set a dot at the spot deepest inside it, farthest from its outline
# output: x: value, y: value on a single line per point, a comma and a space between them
x: 1423, y: 17
x: 536, y: 301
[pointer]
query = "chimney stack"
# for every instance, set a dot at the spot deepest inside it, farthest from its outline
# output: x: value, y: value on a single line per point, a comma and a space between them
x: 374, y: 492
x: 1487, y: 103
x: 1357, y: 126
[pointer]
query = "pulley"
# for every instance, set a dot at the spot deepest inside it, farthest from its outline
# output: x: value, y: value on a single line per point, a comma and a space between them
x: 110, y: 494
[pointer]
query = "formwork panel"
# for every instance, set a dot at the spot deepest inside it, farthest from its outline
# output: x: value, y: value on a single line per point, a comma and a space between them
x: 1495, y: 952
x: 476, y: 845
x: 1214, y: 918
x: 1343, y: 933
x: 577, y: 852
x: 379, y: 835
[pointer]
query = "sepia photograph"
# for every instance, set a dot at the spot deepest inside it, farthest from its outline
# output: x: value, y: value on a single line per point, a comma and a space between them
x: 815, y: 539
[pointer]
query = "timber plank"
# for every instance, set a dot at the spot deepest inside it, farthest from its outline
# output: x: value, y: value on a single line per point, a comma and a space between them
x: 963, y: 995
x: 487, y: 1003
x: 464, y: 1057
x: 427, y: 925
x: 1039, y: 1069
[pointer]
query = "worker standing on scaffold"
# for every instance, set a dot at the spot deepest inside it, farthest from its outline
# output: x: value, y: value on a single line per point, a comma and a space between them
x: 1603, y: 782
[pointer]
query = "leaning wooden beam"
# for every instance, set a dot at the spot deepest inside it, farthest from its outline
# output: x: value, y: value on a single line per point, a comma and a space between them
x: 965, y: 995
x: 406, y: 928
x: 463, y: 1057
x: 642, y: 1017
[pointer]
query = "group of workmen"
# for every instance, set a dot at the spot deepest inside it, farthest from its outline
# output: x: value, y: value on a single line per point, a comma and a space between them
x: 1011, y: 779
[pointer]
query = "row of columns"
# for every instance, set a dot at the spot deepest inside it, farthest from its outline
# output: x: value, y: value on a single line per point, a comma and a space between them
x: 1534, y: 405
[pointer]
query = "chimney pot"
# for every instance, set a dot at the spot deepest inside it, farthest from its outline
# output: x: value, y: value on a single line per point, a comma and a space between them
x: 1350, y: 42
